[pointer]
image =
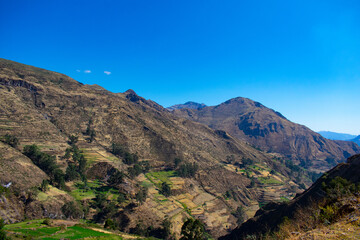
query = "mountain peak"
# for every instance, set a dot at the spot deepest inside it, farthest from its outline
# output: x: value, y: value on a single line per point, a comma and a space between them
x: 189, y: 105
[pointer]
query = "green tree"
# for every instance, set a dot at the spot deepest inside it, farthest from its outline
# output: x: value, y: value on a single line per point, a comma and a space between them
x: 192, y: 229
x: 100, y: 200
x: 187, y: 170
x: 116, y: 178
x: 58, y: 179
x: 109, y: 223
x: 121, y: 198
x: 67, y: 154
x: 11, y: 140
x: 44, y: 185
x: 73, y: 139
x: 92, y: 135
x: 72, y: 210
x: 141, y: 195
x: 71, y: 172
x: 135, y: 170
x: 177, y: 161
x: 2, y: 230
x: 165, y: 189
x: 166, y: 224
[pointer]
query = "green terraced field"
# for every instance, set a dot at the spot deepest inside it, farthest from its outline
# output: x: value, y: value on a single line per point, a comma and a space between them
x: 34, y: 229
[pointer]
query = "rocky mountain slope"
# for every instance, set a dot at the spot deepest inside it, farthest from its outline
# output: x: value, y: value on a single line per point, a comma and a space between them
x: 321, y: 212
x: 47, y: 109
x: 268, y: 130
x: 190, y: 105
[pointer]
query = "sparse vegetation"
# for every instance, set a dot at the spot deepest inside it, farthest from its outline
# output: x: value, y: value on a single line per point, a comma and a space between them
x: 120, y: 151
x: 47, y: 163
x: 240, y: 215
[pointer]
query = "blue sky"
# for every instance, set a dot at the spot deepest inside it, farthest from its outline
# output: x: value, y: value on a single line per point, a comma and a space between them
x: 301, y: 58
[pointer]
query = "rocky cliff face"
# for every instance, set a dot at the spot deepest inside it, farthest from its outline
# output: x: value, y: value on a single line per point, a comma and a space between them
x: 270, y: 131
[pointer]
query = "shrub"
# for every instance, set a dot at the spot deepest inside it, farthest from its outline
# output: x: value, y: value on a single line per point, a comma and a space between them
x: 11, y: 140
x: 109, y: 224
x: 328, y: 214
x: 47, y: 221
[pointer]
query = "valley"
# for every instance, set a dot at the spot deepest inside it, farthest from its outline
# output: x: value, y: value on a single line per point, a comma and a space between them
x: 79, y: 153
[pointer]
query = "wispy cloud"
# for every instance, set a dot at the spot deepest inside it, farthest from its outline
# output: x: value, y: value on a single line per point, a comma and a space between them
x: 78, y: 70
x: 107, y: 72
x: 87, y: 71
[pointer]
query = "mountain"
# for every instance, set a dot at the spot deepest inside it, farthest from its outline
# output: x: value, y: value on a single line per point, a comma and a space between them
x: 270, y: 131
x: 125, y: 148
x: 356, y: 140
x: 189, y: 105
x: 329, y: 209
x: 336, y: 136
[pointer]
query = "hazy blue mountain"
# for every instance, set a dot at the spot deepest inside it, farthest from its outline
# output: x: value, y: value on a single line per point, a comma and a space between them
x: 356, y: 140
x: 337, y: 136
x: 190, y: 105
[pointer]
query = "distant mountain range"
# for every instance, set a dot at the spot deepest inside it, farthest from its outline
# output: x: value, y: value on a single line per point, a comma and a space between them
x: 336, y: 136
x: 356, y: 140
x: 189, y: 105
x: 340, y: 136
x: 270, y: 131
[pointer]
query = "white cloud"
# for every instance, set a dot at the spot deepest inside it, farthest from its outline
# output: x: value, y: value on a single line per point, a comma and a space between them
x: 87, y: 71
x: 107, y: 72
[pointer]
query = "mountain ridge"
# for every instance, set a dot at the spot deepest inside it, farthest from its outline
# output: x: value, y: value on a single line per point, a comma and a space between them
x: 270, y: 131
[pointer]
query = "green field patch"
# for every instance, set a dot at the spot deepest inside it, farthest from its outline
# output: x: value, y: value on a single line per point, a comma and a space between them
x: 157, y: 178
x: 146, y: 184
x: 25, y: 224
x: 77, y: 232
x: 82, y: 192
x: 39, y: 232
x: 188, y: 210
x: 42, y: 196
x: 266, y: 180
x: 284, y: 199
